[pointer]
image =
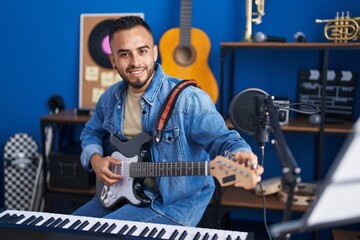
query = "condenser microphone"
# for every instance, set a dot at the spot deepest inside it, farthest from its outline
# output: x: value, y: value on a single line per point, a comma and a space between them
x: 262, y: 37
x: 300, y: 37
x: 246, y: 112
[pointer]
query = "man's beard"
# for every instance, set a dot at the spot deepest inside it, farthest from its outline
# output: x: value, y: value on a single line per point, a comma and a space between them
x: 138, y: 84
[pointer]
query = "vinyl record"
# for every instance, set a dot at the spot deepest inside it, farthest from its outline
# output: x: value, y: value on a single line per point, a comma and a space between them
x: 99, y: 43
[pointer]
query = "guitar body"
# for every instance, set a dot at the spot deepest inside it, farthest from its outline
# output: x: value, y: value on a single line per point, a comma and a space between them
x: 129, y: 189
x: 189, y: 61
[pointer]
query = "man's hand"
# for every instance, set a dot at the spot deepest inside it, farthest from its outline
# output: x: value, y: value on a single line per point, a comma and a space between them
x: 251, y: 160
x: 102, y: 170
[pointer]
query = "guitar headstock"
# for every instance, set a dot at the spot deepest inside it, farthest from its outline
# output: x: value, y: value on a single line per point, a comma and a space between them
x: 228, y: 172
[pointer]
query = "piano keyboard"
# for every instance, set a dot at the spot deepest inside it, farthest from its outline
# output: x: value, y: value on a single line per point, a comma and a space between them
x: 137, y: 230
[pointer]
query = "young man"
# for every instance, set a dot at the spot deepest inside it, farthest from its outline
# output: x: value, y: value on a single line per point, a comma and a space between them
x: 195, y: 132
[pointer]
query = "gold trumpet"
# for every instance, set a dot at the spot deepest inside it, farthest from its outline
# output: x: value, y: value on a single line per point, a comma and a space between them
x: 253, y: 17
x: 342, y: 28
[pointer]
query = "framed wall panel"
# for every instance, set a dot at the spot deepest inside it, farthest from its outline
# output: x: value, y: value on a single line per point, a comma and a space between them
x: 96, y: 73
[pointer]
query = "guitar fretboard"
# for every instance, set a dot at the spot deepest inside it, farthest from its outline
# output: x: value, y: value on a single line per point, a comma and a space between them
x: 185, y: 22
x: 163, y: 169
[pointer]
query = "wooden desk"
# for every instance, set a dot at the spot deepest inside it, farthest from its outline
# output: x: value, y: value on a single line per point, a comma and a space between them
x: 228, y: 198
x: 239, y: 197
x: 67, y: 116
x: 64, y: 116
x: 338, y: 234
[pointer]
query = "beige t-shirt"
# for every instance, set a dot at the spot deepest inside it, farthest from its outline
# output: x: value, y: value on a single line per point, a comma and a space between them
x: 132, y: 122
x: 132, y: 118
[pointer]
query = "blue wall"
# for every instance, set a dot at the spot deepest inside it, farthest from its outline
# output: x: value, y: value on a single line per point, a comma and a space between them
x: 39, y: 48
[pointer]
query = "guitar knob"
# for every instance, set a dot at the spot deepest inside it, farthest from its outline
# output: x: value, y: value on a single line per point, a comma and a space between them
x: 106, y: 201
x: 110, y: 193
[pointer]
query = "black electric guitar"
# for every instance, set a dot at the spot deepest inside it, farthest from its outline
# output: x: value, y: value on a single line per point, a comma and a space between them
x: 134, y: 171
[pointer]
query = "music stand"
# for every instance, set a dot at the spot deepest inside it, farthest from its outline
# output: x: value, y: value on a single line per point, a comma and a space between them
x: 338, y: 196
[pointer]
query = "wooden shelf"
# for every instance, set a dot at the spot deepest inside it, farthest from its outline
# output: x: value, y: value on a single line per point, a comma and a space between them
x: 66, y: 116
x: 239, y: 197
x: 292, y: 45
x: 303, y: 125
x: 90, y: 191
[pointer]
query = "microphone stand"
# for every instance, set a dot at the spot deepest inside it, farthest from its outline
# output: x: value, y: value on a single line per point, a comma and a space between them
x: 290, y: 169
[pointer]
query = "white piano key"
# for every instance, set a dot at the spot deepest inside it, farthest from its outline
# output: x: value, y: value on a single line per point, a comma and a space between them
x: 140, y: 226
x: 37, y: 216
x: 192, y: 233
x: 169, y: 229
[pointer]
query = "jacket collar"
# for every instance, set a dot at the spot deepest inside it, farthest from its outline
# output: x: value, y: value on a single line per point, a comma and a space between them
x: 154, y: 87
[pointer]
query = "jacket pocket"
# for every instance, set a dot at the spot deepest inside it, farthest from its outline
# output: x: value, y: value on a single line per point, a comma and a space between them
x: 170, y: 135
x: 109, y: 126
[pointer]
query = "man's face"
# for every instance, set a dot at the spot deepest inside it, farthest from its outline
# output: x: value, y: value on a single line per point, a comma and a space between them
x: 134, y: 55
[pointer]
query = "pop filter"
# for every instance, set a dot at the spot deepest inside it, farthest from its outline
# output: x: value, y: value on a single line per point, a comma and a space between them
x: 243, y: 110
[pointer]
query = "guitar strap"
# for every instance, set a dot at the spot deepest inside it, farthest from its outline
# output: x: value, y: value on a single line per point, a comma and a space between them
x: 167, y: 107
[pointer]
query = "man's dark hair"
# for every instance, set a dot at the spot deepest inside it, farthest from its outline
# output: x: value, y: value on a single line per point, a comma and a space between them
x: 126, y: 23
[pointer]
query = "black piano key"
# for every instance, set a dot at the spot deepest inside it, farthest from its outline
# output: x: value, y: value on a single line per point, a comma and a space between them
x: 48, y: 222
x: 131, y: 231
x: 238, y: 238
x: 63, y: 223
x: 84, y: 224
x: 206, y: 236
x: 152, y: 232
x: 112, y: 227
x: 75, y: 224
x: 123, y: 229
x: 197, y: 236
x: 228, y: 237
x: 144, y: 231
x: 215, y: 237
x: 102, y: 227
x: 174, y: 234
x: 56, y: 222
x: 37, y: 220
x: 161, y: 233
x: 94, y: 227
x: 18, y: 218
x: 29, y: 220
x: 5, y: 218
x: 10, y: 218
x: 183, y: 235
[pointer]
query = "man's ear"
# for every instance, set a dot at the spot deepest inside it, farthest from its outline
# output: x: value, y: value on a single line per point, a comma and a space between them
x: 156, y: 52
x: 112, y: 60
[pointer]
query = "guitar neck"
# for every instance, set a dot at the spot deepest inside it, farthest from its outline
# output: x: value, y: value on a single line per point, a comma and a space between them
x: 163, y: 169
x: 185, y: 22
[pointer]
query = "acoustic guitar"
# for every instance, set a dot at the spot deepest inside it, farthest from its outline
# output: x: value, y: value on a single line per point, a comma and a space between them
x: 185, y: 51
x: 135, y: 169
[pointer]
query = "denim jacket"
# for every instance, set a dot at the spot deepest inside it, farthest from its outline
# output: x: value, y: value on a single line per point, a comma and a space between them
x: 194, y: 132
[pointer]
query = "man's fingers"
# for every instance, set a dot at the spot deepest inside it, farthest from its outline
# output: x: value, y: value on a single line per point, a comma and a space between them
x: 112, y: 160
x: 250, y: 160
x: 247, y: 158
x: 107, y: 176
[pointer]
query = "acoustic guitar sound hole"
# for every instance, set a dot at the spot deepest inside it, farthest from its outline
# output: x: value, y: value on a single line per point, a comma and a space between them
x: 184, y: 55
